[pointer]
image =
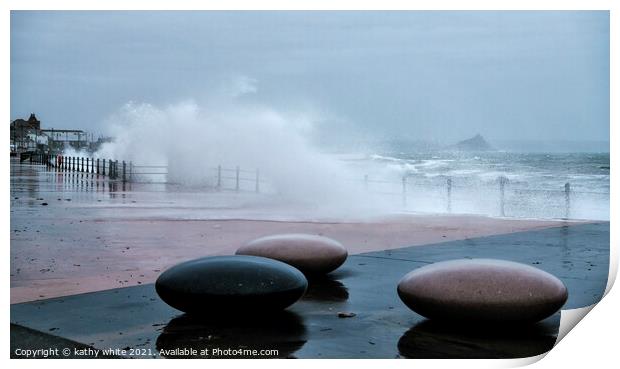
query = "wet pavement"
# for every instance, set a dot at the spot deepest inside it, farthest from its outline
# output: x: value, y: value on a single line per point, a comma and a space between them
x: 96, y: 234
x: 134, y: 318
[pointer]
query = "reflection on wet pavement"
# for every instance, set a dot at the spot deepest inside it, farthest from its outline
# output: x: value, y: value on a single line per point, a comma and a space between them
x: 431, y: 340
x: 283, y: 331
x: 326, y: 288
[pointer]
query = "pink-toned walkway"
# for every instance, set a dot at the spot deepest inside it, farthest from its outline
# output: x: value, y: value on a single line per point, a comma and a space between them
x: 96, y: 255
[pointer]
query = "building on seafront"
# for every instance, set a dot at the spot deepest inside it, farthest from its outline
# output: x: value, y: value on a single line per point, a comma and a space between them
x: 24, y: 134
x: 28, y: 136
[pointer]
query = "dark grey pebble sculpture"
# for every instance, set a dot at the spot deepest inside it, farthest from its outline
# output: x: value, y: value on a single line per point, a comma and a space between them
x: 313, y: 255
x: 482, y: 290
x: 230, y: 284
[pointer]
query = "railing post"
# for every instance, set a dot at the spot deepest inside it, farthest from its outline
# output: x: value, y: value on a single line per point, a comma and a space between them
x: 115, y: 169
x: 567, y: 198
x: 219, y: 177
x: 131, y: 171
x: 404, y: 191
x: 502, y: 200
x: 257, y: 182
x: 237, y: 179
x: 103, y: 167
x: 449, y: 188
x: 82, y: 164
x: 73, y: 163
x: 124, y: 172
x: 97, y: 166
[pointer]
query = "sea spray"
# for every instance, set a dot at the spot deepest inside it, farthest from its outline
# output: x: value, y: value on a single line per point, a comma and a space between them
x: 192, y: 139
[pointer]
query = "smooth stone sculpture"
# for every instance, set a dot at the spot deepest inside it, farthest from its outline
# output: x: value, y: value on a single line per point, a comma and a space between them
x: 228, y: 284
x: 311, y: 254
x: 482, y: 290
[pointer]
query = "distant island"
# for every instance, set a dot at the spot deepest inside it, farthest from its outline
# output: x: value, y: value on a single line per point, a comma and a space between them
x: 476, y: 143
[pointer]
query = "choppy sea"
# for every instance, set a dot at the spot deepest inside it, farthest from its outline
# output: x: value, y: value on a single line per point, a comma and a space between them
x: 536, y: 185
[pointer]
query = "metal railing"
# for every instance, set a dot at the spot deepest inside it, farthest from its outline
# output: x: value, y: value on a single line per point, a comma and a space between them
x: 507, y: 200
x: 224, y: 178
x: 114, y: 169
x: 441, y: 189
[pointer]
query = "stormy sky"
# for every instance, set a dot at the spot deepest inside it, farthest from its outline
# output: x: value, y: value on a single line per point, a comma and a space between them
x: 439, y: 76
